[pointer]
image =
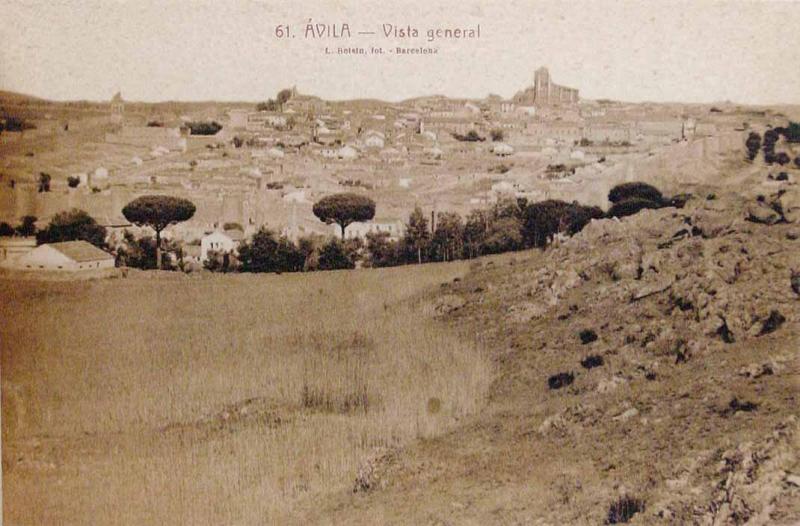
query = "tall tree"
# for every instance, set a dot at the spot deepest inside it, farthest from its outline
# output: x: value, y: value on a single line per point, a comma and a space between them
x: 44, y: 182
x: 265, y: 252
x: 28, y: 226
x: 382, y: 251
x: 447, y: 238
x: 475, y: 232
x: 158, y: 212
x: 73, y: 225
x: 503, y: 235
x: 544, y: 219
x: 283, y: 96
x: 344, y: 209
x: 417, y: 233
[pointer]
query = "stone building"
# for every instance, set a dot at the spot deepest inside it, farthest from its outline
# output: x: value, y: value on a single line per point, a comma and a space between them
x: 117, y: 108
x: 545, y: 93
x: 392, y: 226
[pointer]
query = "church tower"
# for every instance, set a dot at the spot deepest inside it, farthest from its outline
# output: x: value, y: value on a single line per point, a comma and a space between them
x: 117, y: 108
x: 541, y: 81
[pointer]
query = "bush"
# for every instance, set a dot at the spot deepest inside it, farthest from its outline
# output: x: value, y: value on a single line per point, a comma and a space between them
x: 753, y: 144
x: 27, y: 226
x: 382, y: 251
x: 631, y: 206
x: 590, y: 362
x: 772, y: 323
x: 782, y: 158
x: 544, y: 219
x: 73, y: 225
x: 17, y: 124
x: 267, y: 253
x: 333, y: 256
x: 141, y: 253
x: 471, y: 136
x: 587, y: 336
x: 557, y: 381
x: 623, y: 509
x: 218, y: 261
x: 625, y: 191
x: 736, y: 405
x: 73, y: 182
x: 793, y: 132
x: 204, y: 128
x: 770, y: 138
x: 579, y: 216
x: 503, y: 235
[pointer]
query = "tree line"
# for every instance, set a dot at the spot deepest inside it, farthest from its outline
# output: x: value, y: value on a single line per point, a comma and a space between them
x: 511, y: 224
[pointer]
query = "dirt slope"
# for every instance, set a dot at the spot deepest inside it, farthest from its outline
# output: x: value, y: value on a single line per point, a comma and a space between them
x: 693, y: 411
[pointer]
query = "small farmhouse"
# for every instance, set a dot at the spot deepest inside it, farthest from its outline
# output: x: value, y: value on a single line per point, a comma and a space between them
x: 218, y: 241
x: 68, y: 256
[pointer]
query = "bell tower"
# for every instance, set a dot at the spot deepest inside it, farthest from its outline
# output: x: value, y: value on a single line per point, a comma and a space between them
x: 117, y: 108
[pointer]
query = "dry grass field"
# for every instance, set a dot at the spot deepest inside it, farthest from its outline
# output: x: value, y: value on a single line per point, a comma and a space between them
x: 167, y: 399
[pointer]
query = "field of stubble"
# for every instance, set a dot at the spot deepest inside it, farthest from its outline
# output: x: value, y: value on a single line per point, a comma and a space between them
x: 166, y: 399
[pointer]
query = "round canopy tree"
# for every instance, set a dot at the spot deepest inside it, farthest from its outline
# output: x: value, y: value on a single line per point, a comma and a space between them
x: 344, y: 209
x: 158, y: 212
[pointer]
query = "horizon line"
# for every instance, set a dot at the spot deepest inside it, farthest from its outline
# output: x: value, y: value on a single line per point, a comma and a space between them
x: 389, y: 101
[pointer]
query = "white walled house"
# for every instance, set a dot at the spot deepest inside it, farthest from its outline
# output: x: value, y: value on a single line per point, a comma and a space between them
x: 394, y: 227
x: 65, y: 256
x: 347, y: 152
x: 374, y: 139
x: 502, y: 149
x: 216, y: 242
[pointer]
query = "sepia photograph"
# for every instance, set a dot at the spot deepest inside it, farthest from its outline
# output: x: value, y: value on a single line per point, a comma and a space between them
x: 347, y: 262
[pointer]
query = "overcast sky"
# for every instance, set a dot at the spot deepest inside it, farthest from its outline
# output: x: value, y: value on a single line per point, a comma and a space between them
x: 696, y: 51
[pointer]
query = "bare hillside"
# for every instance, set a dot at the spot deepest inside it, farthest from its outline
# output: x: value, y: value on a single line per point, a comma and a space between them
x: 646, y: 372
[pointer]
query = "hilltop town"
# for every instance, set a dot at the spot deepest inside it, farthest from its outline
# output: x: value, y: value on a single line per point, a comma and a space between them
x: 252, y: 165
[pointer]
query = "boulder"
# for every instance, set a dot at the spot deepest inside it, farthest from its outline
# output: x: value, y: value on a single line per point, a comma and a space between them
x: 760, y: 213
x: 788, y: 203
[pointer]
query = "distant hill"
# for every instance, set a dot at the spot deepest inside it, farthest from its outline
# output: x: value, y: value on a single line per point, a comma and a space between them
x: 14, y: 97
